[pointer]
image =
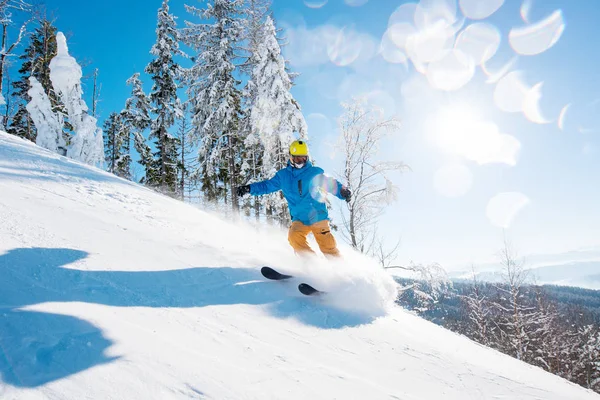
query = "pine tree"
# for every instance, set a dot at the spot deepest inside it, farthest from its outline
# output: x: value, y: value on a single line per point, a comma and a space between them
x: 123, y: 165
x: 116, y: 146
x: 251, y: 170
x: 188, y: 162
x: 136, y: 119
x: 215, y: 98
x: 112, y: 147
x: 7, y: 47
x: 274, y: 114
x: 35, y: 62
x: 164, y: 72
x: 256, y: 12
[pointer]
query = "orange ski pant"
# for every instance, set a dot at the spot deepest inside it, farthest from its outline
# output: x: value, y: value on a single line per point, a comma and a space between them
x: 321, y: 230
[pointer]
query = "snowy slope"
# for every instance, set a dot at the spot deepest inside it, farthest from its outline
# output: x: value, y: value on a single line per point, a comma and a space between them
x: 108, y: 290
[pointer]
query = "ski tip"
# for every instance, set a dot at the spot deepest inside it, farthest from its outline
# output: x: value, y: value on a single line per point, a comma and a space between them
x: 308, y: 290
x: 270, y: 273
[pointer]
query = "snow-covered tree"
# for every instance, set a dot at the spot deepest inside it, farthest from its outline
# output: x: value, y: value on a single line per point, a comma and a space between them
x: 545, y: 337
x: 479, y: 313
x: 516, y: 317
x: 587, y: 362
x: 136, y: 119
x: 255, y: 16
x: 255, y: 12
x: 35, y: 62
x: 430, y: 283
x: 112, y: 147
x: 275, y: 116
x: 215, y: 98
x: 116, y: 146
x: 7, y: 47
x: 188, y: 161
x: 362, y: 130
x: 166, y: 107
x: 87, y: 145
x: 48, y: 123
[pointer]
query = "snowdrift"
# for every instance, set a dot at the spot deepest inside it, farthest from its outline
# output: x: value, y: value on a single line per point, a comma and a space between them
x: 108, y: 290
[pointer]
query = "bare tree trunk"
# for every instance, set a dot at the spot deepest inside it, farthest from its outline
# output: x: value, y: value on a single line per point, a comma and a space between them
x: 182, y: 181
x: 232, y: 175
x: 257, y: 209
x: 95, y: 93
x: 114, y: 152
x: 352, y: 229
x: 7, y: 98
x: 3, y: 55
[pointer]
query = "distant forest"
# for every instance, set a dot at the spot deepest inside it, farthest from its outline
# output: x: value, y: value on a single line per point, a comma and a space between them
x: 570, y: 301
x: 556, y: 328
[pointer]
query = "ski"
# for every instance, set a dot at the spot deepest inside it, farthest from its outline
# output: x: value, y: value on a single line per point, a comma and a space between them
x: 308, y: 290
x: 270, y: 273
x: 304, y: 288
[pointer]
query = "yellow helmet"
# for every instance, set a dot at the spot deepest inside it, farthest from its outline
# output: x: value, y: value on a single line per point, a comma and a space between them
x: 299, y: 148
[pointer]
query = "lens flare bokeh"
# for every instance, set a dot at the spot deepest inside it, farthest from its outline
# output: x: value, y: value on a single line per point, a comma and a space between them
x: 479, y: 9
x: 315, y: 3
x: 503, y: 208
x: 479, y: 41
x: 537, y: 38
x: 320, y: 186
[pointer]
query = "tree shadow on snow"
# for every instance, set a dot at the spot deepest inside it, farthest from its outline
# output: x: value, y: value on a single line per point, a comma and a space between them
x: 37, y: 347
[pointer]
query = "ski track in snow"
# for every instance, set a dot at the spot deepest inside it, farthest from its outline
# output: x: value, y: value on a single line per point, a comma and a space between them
x: 108, y: 290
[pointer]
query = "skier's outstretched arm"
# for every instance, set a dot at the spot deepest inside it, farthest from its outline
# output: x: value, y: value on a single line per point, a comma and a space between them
x: 260, y: 188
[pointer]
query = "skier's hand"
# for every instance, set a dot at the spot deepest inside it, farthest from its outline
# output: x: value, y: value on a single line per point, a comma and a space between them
x: 242, y: 190
x: 346, y: 194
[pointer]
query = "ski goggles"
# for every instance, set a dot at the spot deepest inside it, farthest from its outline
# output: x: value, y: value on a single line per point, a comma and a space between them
x: 299, y: 159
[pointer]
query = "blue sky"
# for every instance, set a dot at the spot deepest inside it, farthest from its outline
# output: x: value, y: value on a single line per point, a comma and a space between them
x: 443, y: 210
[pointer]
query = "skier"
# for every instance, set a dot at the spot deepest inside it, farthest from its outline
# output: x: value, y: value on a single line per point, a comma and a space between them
x: 303, y: 186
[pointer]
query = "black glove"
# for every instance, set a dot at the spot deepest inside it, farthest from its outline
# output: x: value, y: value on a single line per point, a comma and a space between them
x: 346, y: 194
x: 242, y: 190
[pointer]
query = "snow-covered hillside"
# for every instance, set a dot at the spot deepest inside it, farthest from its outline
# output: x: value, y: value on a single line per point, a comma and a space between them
x: 584, y: 274
x: 108, y: 290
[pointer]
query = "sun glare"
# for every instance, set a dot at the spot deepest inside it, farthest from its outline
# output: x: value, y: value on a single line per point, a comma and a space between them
x: 460, y: 130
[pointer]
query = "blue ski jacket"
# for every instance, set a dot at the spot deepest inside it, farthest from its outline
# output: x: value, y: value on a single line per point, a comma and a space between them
x: 304, y: 189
